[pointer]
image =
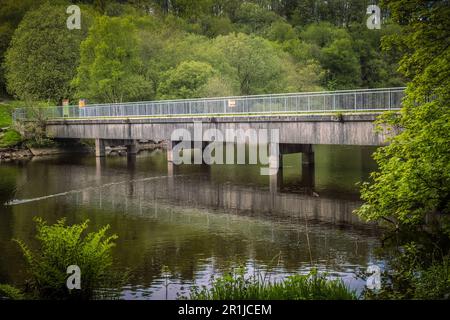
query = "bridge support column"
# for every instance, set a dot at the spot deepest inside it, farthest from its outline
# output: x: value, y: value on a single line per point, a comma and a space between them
x: 204, y: 145
x: 276, y: 181
x: 99, y: 148
x: 132, y: 149
x: 308, y: 167
x: 275, y: 156
x: 197, y: 149
x: 169, y: 146
x: 308, y: 155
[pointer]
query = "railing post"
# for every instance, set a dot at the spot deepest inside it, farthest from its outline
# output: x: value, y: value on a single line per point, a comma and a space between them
x: 270, y: 104
x: 389, y: 99
x: 355, y: 101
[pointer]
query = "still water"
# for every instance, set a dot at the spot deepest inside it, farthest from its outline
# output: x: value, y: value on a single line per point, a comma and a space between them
x: 197, y: 220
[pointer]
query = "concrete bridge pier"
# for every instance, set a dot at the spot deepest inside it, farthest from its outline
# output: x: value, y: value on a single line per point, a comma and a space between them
x: 276, y: 181
x: 169, y: 149
x: 307, y: 155
x: 132, y: 148
x: 100, y: 148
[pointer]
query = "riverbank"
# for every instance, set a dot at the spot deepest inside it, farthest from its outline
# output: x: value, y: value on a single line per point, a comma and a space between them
x: 22, y: 152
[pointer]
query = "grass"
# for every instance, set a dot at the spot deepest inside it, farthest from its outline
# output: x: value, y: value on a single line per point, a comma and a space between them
x: 234, y: 286
x: 9, y: 137
x: 5, y: 115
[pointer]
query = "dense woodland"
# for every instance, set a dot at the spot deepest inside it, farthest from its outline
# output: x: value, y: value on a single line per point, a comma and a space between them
x: 166, y: 49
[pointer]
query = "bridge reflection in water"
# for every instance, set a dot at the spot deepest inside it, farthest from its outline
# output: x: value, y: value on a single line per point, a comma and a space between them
x: 200, y: 190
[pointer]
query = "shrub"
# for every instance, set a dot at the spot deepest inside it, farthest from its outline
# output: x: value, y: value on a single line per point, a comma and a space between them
x: 235, y: 286
x: 10, y: 293
x: 62, y: 246
x: 10, y: 138
x: 414, y: 273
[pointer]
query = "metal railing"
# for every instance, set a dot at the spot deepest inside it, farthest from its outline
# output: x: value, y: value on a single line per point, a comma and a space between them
x: 312, y: 102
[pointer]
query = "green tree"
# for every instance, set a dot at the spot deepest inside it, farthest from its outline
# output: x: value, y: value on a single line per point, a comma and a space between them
x: 110, y: 66
x: 186, y: 80
x: 281, y: 31
x: 338, y: 12
x: 413, y: 181
x: 11, y: 13
x: 342, y: 64
x: 378, y: 67
x: 43, y: 55
x: 255, y: 61
x: 218, y: 86
x: 252, y: 18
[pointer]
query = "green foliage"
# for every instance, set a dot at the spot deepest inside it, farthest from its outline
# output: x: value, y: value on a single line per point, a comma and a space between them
x: 217, y: 86
x: 252, y: 18
x: 413, y: 180
x: 281, y: 31
x: 304, y: 12
x: 411, y: 190
x: 10, y: 293
x: 254, y: 60
x: 186, y: 80
x: 235, y: 286
x: 33, y: 133
x: 434, y: 282
x: 43, y: 55
x: 342, y: 64
x: 110, y: 64
x: 5, y: 115
x: 414, y: 273
x: 10, y: 138
x: 216, y: 26
x: 139, y: 53
x: 61, y: 246
x: 11, y: 13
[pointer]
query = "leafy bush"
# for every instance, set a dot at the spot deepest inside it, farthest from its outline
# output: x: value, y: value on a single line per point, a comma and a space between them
x: 10, y: 293
x: 5, y: 115
x: 414, y: 274
x: 434, y: 283
x: 62, y: 246
x: 234, y: 286
x: 10, y: 138
x: 34, y: 132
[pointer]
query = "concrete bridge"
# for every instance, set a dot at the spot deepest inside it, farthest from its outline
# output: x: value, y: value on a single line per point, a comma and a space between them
x: 302, y: 119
